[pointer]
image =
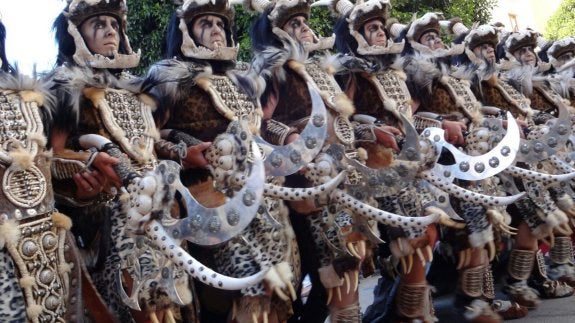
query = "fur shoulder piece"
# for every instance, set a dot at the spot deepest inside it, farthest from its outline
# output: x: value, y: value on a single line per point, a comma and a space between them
x: 32, y: 88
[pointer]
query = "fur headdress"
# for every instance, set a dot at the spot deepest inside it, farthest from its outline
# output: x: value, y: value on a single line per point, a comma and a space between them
x: 359, y: 14
x: 559, y: 48
x: 76, y: 12
x: 189, y: 11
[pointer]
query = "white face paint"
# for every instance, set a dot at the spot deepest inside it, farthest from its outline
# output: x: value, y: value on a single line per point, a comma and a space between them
x: 374, y: 33
x: 208, y: 31
x: 297, y: 27
x: 101, y: 34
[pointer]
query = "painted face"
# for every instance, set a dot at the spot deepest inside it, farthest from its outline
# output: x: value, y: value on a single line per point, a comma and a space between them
x: 208, y: 31
x: 432, y: 40
x: 101, y: 34
x: 564, y: 58
x: 297, y: 27
x: 374, y: 33
x: 485, y: 51
x: 525, y: 55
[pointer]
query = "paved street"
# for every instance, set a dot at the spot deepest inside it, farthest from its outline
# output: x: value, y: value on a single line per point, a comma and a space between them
x: 550, y: 311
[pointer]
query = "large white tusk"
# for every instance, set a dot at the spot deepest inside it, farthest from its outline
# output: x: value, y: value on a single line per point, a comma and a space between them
x: 194, y: 268
x: 545, y: 179
x: 303, y: 194
x: 363, y: 209
x: 467, y: 195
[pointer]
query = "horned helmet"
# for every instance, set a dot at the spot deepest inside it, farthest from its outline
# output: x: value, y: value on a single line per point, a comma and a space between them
x: 76, y: 13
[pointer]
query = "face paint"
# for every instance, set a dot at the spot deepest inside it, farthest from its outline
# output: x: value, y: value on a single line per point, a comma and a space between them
x: 297, y: 27
x: 374, y: 33
x: 101, y: 34
x: 209, y: 31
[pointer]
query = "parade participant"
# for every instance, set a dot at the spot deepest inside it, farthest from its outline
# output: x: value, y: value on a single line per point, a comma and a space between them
x: 560, y: 54
x: 526, y: 72
x: 331, y: 246
x: 106, y: 124
x: 382, y: 94
x: 204, y: 93
x: 40, y: 268
x: 478, y: 65
x: 442, y: 96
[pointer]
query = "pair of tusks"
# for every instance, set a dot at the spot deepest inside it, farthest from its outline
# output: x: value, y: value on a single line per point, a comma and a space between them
x: 357, y: 249
x: 406, y: 262
x: 168, y: 317
x: 274, y: 276
x: 348, y: 284
x: 465, y: 255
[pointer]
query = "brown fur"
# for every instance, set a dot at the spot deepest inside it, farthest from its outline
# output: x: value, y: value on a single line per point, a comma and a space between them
x: 378, y: 156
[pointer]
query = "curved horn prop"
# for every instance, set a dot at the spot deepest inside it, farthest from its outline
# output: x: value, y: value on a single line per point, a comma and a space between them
x: 194, y: 268
x: 360, y: 208
x: 471, y: 168
x: 288, y: 159
x: 303, y: 194
x: 545, y: 179
x: 467, y: 195
x: 211, y: 226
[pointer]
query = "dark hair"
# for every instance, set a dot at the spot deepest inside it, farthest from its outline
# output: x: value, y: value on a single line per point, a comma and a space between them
x: 5, y: 66
x: 345, y: 43
x: 65, y: 41
x: 261, y: 34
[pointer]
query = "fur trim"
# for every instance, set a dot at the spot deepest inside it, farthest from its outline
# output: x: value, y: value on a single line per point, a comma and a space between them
x: 61, y: 221
x: 377, y: 155
x: 31, y: 90
x: 33, y: 311
x: 27, y: 282
x: 329, y: 278
x: 479, y: 239
x: 21, y: 159
x: 183, y: 290
x: 9, y: 233
x: 566, y: 204
x: 343, y: 105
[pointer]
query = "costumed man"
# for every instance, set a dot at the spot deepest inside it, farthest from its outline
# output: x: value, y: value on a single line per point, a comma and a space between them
x: 210, y: 103
x: 381, y: 94
x: 478, y: 65
x: 107, y: 126
x: 440, y: 96
x: 560, y: 54
x: 39, y: 263
x: 523, y: 69
x: 298, y: 61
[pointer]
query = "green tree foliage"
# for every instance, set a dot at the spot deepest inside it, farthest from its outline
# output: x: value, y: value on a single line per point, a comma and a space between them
x: 562, y: 22
x: 469, y: 11
x: 148, y: 20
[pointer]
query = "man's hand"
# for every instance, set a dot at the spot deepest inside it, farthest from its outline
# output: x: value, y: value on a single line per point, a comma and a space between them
x: 195, y: 157
x: 385, y: 135
x: 105, y: 163
x: 89, y: 184
x: 454, y: 132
